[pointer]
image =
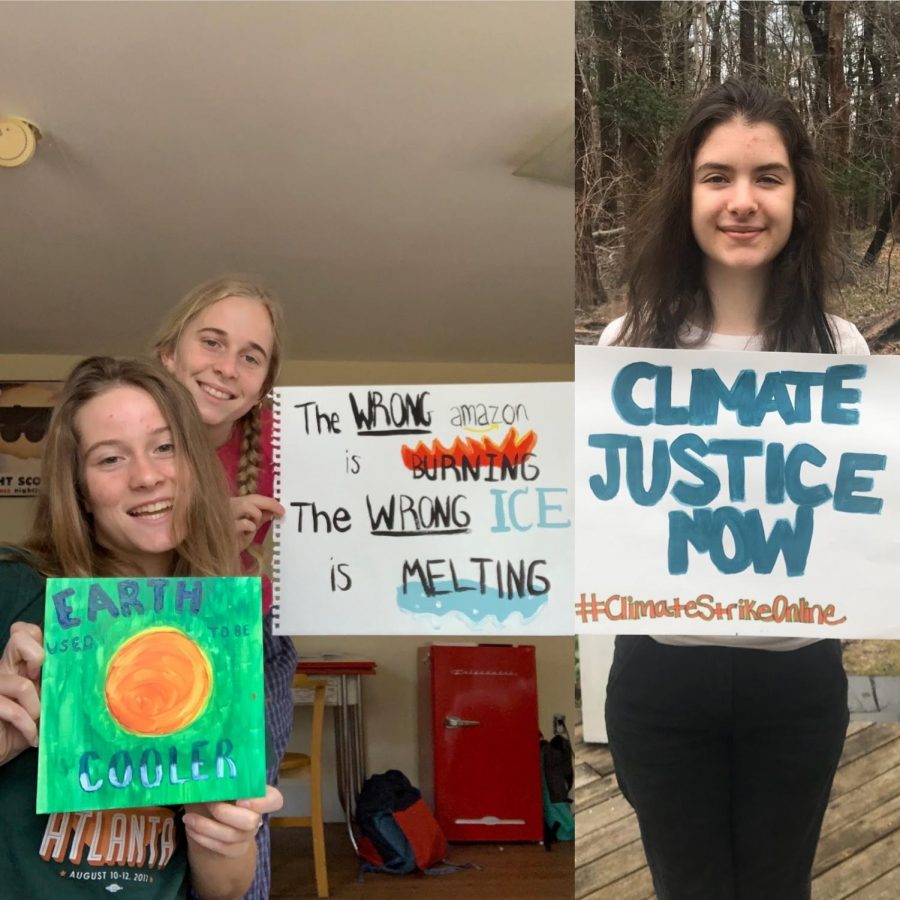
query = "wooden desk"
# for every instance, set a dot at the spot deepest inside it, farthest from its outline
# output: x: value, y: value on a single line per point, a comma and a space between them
x: 345, y: 697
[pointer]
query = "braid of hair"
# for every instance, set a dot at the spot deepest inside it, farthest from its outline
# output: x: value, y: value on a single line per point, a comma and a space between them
x: 248, y: 479
x: 251, y: 455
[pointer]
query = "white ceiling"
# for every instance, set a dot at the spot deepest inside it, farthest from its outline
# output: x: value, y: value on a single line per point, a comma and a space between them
x: 357, y: 155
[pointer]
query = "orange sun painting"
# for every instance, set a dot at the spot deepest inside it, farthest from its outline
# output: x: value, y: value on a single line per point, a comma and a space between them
x: 158, y: 682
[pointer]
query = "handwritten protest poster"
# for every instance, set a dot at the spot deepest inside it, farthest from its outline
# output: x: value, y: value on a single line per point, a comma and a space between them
x: 416, y: 510
x: 736, y: 493
x: 152, y: 693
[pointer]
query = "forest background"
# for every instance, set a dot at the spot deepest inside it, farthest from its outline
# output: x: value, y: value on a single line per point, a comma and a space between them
x: 639, y: 66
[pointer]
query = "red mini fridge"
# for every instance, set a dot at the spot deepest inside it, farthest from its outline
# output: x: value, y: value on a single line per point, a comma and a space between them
x: 479, y: 753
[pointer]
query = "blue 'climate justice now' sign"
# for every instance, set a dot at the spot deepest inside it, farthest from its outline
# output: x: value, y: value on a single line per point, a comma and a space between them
x: 736, y: 493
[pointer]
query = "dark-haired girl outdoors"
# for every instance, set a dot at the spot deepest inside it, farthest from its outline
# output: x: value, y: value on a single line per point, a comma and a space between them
x: 727, y: 747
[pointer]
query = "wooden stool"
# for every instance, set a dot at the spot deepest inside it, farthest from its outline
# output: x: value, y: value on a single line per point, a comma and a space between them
x: 308, y: 766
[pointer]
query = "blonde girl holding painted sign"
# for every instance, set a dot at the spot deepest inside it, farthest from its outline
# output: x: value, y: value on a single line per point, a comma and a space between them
x: 222, y: 341
x: 727, y: 747
x: 128, y: 487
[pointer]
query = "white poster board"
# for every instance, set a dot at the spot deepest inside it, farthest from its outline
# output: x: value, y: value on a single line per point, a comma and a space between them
x: 737, y: 493
x: 440, y: 509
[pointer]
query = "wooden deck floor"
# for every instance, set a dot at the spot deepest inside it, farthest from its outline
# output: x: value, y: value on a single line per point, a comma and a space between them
x: 859, y: 851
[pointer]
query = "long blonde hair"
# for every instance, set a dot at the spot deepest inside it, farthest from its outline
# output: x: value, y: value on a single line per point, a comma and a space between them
x: 62, y: 539
x: 189, y: 307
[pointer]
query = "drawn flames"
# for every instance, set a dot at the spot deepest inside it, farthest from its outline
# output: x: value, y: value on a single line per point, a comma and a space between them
x: 474, y: 451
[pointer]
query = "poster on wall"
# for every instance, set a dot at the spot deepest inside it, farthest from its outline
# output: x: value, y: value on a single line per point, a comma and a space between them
x: 439, y: 509
x: 151, y: 693
x: 736, y: 493
x: 25, y: 408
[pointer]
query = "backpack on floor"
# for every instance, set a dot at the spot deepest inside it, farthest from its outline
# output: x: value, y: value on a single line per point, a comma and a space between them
x: 399, y: 832
x: 557, y: 778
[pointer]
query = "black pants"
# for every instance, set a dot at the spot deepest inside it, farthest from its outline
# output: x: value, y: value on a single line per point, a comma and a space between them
x: 727, y: 755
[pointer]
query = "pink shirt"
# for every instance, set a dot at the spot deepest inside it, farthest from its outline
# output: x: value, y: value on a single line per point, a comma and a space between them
x: 229, y: 455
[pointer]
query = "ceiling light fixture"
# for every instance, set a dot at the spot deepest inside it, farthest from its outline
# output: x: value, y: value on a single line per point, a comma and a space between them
x: 18, y: 140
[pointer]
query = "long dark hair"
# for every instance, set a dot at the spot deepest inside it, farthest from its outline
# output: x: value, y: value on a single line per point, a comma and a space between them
x: 666, y: 287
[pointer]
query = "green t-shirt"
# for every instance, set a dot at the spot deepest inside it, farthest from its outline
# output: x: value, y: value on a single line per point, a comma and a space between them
x: 93, y: 854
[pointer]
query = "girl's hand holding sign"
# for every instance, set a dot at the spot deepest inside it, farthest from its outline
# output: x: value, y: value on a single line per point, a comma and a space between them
x: 20, y: 690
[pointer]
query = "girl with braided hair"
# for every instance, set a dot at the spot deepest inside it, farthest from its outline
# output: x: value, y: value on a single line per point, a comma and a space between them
x: 222, y: 341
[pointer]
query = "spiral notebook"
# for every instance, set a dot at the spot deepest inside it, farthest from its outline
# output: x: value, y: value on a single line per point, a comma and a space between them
x: 442, y: 509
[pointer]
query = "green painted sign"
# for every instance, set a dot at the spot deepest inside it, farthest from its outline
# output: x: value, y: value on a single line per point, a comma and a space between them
x: 151, y: 693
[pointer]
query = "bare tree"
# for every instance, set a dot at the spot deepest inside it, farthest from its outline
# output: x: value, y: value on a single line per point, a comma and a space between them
x: 640, y: 63
x: 885, y: 222
x: 760, y: 12
x: 747, y: 38
x: 814, y: 15
x: 714, y: 14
